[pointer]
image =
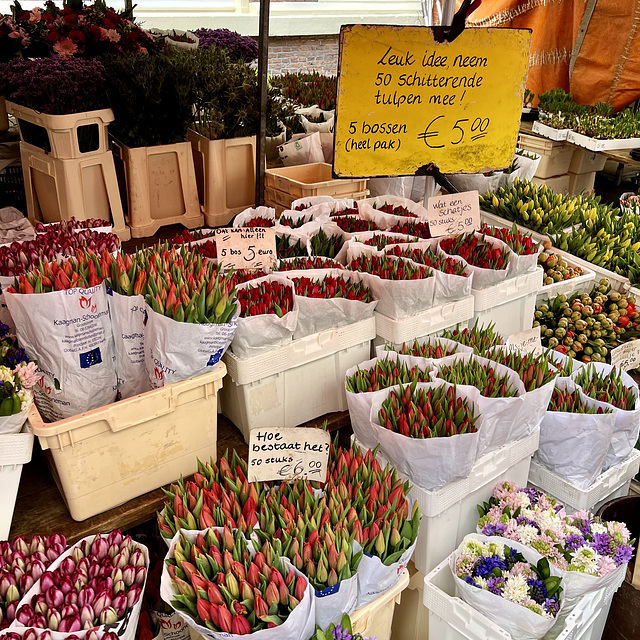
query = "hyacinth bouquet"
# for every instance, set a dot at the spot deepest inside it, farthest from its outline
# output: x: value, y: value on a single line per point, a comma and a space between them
x: 588, y: 551
x: 513, y: 586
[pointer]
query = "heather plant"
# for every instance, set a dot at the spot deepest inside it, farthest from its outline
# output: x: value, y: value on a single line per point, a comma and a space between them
x: 54, y: 85
x: 239, y: 48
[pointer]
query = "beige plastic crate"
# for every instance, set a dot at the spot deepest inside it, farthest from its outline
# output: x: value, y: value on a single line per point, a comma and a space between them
x: 63, y: 130
x: 86, y: 187
x: 556, y: 156
x: 558, y: 184
x: 103, y: 458
x: 313, y: 179
x: 579, y: 182
x: 411, y: 620
x: 284, y: 200
x: 585, y: 161
x: 160, y: 185
x: 226, y: 176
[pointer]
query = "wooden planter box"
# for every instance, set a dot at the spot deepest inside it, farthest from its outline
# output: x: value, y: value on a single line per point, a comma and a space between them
x: 160, y: 185
x: 226, y: 175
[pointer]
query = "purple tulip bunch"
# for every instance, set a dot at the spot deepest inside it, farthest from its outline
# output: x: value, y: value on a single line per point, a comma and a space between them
x: 96, y: 584
x: 32, y: 634
x: 22, y: 564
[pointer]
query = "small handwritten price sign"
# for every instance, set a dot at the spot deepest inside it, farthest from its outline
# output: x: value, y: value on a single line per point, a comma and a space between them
x: 242, y: 248
x: 527, y: 341
x: 405, y: 99
x: 626, y: 356
x: 288, y: 454
x: 453, y: 213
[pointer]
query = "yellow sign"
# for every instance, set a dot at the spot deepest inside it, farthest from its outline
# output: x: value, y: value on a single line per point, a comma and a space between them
x: 405, y: 100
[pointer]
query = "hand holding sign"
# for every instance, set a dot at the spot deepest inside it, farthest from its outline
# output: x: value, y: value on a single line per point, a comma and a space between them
x: 245, y: 248
x: 288, y: 454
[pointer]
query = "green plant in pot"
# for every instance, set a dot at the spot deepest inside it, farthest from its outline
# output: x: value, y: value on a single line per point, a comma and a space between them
x: 152, y: 97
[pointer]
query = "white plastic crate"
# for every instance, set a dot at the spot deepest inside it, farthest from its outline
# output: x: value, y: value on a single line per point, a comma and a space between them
x: 422, y: 324
x: 297, y: 382
x: 555, y: 156
x: 510, y: 304
x: 102, y: 458
x: 15, y: 451
x: 581, y: 284
x: 450, y: 513
x: 585, y: 161
x: 594, y: 144
x: 450, y: 618
x: 375, y: 619
x: 497, y: 221
x: 550, y: 132
x: 613, y: 483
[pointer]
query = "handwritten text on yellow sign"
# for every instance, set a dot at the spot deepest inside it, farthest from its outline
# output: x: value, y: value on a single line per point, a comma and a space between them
x: 405, y: 100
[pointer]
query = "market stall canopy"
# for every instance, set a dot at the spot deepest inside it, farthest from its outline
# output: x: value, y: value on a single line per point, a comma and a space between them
x: 607, y: 59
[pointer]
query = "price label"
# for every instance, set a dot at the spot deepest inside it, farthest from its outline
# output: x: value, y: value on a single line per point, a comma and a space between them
x: 405, y: 99
x: 626, y: 356
x: 242, y: 248
x: 453, y: 213
x: 527, y: 341
x: 288, y: 454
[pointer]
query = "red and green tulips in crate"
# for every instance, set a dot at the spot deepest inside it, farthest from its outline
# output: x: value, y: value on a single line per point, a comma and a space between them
x: 416, y: 229
x: 427, y: 413
x: 429, y: 258
x: 425, y: 350
x: 396, y: 210
x: 325, y: 245
x: 483, y: 377
x: 534, y: 371
x: 220, y: 586
x: 95, y: 584
x: 385, y: 373
x: 606, y: 387
x: 304, y: 263
x: 331, y: 287
x: 570, y: 402
x: 520, y: 243
x: 265, y: 298
x: 480, y: 337
x: 22, y: 563
x: 476, y: 251
x: 355, y: 225
x: 219, y: 495
x: 389, y: 268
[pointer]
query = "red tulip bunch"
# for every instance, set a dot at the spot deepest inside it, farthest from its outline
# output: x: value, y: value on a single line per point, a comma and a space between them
x: 425, y: 350
x: 288, y: 221
x: 384, y: 374
x: 221, y: 587
x: 22, y: 564
x: 95, y: 585
x: 324, y: 245
x: 380, y: 242
x: 389, y: 268
x: 265, y: 298
x: 481, y: 376
x: 71, y: 225
x: 239, y: 276
x: 147, y: 629
x: 606, y: 387
x: 85, y: 270
x: 285, y: 249
x: 355, y: 225
x: 219, y: 495
x: 476, y: 251
x: 431, y: 259
x: 353, y: 211
x: 330, y: 287
x: 309, y: 263
x: 519, y: 243
x: 533, y: 370
x: 416, y: 229
x: 480, y: 338
x: 427, y: 413
x: 571, y: 402
x: 259, y: 221
x: 397, y: 211
x: 187, y: 236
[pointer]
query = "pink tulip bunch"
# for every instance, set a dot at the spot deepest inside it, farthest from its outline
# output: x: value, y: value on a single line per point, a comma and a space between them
x: 96, y: 584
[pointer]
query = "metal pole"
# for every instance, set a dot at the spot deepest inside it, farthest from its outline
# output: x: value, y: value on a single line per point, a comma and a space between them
x: 263, y: 66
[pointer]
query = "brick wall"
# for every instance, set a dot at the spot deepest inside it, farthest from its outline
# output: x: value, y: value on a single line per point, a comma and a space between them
x: 303, y: 53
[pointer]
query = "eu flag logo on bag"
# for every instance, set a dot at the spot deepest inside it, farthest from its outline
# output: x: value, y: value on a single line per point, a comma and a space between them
x: 90, y: 358
x: 214, y: 358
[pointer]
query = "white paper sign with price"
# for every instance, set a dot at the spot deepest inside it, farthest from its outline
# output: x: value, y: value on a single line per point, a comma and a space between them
x: 246, y: 248
x: 276, y: 453
x: 626, y: 356
x: 453, y: 213
x: 528, y: 341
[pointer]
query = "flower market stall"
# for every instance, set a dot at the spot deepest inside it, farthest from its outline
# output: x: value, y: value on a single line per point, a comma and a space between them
x: 325, y: 410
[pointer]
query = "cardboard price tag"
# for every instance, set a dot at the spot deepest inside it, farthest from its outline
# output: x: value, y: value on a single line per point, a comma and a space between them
x: 243, y: 248
x: 527, y: 341
x: 453, y: 213
x: 626, y: 356
x: 405, y: 99
x: 276, y: 453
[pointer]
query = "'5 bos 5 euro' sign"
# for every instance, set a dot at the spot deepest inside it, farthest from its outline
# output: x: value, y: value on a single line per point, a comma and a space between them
x: 277, y: 453
x: 245, y: 248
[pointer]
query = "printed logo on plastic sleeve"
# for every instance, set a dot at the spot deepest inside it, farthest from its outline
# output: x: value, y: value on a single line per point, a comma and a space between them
x: 90, y: 358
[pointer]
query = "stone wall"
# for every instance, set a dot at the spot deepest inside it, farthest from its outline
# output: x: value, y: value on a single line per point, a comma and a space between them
x: 303, y: 53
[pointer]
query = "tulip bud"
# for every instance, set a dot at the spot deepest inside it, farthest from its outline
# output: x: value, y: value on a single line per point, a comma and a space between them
x: 119, y: 587
x: 37, y: 569
x: 137, y: 558
x: 47, y: 581
x: 77, y: 554
x: 102, y: 601
x: 71, y: 598
x: 108, y: 616
x: 232, y: 585
x: 20, y: 544
x: 225, y: 619
x: 133, y: 595
x: 87, y: 615
x: 240, y: 625
x: 115, y: 537
x: 92, y: 634
x: 6, y: 581
x: 41, y: 608
x: 70, y: 625
x: 301, y: 585
x: 203, y: 610
x: 26, y: 582
x: 99, y: 548
x: 11, y: 611
x: 272, y: 595
x: 141, y: 574
x: 54, y: 598
x: 119, y: 604
x: 66, y: 585
x: 214, y: 594
x: 129, y: 575
x: 30, y: 634
x: 67, y: 566
x: 12, y: 594
x: 24, y: 614
x: 53, y: 619
x: 70, y: 610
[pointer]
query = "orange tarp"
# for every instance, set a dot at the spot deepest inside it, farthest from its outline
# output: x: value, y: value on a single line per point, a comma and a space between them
x: 607, y: 68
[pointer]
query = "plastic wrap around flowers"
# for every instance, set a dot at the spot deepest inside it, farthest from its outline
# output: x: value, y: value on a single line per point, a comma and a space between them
x: 505, y: 572
x: 580, y: 542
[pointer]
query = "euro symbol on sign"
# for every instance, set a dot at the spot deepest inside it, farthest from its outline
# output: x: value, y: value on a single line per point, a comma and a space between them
x: 431, y: 134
